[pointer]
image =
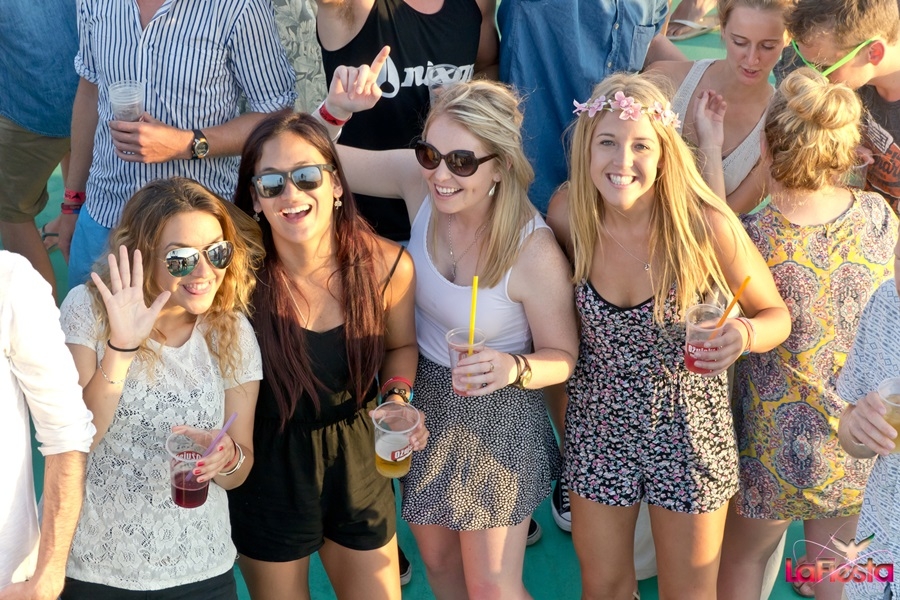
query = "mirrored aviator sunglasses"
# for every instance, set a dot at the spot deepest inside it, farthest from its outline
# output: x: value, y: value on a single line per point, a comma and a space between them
x: 460, y: 162
x: 305, y: 178
x: 180, y: 262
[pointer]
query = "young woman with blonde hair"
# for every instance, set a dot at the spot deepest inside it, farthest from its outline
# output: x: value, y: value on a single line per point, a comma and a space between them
x: 648, y: 239
x: 188, y: 360
x: 754, y: 35
x: 829, y: 247
x: 492, y: 455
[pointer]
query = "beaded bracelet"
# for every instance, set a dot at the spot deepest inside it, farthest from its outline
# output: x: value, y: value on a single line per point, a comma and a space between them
x: 106, y: 377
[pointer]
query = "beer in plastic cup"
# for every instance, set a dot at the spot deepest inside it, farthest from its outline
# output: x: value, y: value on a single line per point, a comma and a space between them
x: 889, y: 392
x: 394, y: 422
x: 700, y: 322
x: 126, y: 99
x: 458, y: 345
x: 185, y: 450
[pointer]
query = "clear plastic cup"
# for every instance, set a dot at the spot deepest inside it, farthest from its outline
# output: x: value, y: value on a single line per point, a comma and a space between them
x: 889, y: 392
x: 126, y: 99
x: 458, y: 346
x: 700, y: 325
x: 394, y: 423
x: 185, y: 450
x: 439, y: 77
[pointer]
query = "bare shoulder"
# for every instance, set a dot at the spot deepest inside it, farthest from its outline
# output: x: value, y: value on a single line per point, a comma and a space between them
x: 673, y: 70
x: 540, y: 254
x: 558, y: 216
x: 389, y: 256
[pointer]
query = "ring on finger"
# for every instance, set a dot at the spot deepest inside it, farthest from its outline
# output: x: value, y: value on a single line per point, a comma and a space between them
x: 492, y: 367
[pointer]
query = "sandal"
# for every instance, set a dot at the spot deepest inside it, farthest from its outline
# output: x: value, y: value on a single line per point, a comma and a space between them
x: 49, y: 234
x: 804, y: 589
x: 707, y: 24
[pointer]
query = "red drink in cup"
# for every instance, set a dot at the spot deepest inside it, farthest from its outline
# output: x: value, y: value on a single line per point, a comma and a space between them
x: 185, y: 450
x: 700, y: 327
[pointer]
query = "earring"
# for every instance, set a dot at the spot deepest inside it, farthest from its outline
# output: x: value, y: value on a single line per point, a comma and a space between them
x: 492, y: 190
x: 256, y: 217
x: 338, y: 203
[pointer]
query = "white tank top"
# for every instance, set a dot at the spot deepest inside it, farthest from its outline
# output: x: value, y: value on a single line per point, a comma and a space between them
x: 442, y: 305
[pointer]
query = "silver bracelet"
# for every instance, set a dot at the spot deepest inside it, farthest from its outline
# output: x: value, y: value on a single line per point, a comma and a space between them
x: 240, y: 461
x: 106, y: 377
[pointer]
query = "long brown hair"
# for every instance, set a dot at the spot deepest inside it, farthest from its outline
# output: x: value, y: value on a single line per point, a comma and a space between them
x: 143, y: 220
x: 283, y: 341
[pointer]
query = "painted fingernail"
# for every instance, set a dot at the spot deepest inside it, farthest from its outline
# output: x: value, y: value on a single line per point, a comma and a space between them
x: 201, y: 464
x: 196, y: 472
x: 221, y: 448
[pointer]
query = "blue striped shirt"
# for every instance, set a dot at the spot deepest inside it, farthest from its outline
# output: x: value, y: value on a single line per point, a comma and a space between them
x: 196, y: 59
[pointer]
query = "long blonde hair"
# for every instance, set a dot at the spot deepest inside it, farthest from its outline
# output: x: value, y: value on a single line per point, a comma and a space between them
x: 143, y: 220
x: 679, y: 228
x: 490, y: 112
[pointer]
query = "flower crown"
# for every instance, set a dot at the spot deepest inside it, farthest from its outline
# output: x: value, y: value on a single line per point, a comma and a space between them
x: 631, y: 109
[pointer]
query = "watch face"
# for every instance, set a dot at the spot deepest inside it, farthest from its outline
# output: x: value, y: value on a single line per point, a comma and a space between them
x: 201, y: 148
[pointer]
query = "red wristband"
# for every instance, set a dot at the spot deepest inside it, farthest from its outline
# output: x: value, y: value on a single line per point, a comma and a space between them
x: 70, y: 209
x: 73, y: 197
x: 330, y: 118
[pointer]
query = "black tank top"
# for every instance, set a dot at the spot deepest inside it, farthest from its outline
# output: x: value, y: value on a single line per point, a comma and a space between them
x: 418, y: 42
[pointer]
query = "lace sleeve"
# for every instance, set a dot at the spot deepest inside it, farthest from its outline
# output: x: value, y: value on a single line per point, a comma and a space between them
x: 250, y: 368
x: 78, y: 320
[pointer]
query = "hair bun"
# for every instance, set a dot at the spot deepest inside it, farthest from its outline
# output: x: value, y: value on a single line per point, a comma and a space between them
x: 820, y: 103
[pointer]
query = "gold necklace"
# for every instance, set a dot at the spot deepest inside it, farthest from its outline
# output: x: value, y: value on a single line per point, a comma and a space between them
x: 289, y: 284
x: 478, y: 233
x: 613, y: 238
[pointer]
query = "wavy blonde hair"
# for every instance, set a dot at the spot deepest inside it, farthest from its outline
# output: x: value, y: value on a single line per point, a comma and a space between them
x: 143, y: 220
x: 680, y: 231
x: 490, y: 112
x: 812, y: 131
x: 724, y: 8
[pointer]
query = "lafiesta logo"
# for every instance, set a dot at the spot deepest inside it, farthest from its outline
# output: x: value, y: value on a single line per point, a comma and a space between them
x: 835, y: 571
x: 389, y: 78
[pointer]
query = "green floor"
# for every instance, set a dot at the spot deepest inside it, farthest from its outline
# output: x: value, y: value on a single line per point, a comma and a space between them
x: 551, y: 569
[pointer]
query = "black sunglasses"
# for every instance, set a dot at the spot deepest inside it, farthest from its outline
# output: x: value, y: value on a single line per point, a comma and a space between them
x: 460, y: 162
x: 182, y: 261
x: 307, y: 177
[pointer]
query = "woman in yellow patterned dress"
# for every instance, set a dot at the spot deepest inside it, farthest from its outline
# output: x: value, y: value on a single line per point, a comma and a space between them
x: 828, y: 248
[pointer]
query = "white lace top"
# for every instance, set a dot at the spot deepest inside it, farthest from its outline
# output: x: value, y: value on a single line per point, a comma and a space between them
x: 131, y: 535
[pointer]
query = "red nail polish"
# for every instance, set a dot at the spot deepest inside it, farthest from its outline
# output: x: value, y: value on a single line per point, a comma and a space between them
x: 196, y: 471
x: 201, y: 464
x: 221, y: 448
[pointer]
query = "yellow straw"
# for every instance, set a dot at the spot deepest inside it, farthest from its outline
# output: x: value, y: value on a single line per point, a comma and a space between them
x: 472, y: 314
x: 734, y: 300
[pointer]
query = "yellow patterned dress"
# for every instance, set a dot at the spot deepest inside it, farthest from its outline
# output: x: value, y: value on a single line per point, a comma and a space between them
x: 791, y: 464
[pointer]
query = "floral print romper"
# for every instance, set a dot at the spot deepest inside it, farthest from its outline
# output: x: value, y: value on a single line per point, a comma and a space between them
x: 639, y: 425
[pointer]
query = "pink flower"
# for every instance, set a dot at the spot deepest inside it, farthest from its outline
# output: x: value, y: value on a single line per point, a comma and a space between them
x: 632, y: 111
x: 597, y: 105
x: 622, y: 101
x: 579, y: 107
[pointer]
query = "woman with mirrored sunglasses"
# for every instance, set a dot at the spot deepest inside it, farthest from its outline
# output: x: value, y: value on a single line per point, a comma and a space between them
x: 334, y: 318
x: 162, y: 343
x: 492, y: 455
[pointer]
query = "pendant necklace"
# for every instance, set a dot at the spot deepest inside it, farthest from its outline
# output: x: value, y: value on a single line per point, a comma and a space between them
x: 455, y: 261
x: 613, y: 238
x: 289, y: 284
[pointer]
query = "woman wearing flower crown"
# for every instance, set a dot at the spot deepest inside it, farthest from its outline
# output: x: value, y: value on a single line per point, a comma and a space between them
x: 648, y: 239
x: 753, y: 32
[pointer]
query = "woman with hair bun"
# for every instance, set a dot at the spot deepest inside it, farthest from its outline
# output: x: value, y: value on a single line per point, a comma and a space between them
x: 829, y: 247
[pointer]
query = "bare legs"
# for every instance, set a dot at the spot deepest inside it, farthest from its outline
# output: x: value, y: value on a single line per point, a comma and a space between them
x: 474, y: 564
x: 354, y: 574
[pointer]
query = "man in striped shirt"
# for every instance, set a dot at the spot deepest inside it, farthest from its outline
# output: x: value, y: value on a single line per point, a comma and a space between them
x: 195, y: 59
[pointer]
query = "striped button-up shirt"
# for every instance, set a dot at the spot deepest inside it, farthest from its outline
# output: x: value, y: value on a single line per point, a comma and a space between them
x: 196, y: 59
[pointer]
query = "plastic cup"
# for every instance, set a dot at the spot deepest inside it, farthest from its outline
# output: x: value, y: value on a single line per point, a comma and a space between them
x: 185, y: 450
x: 439, y: 77
x: 856, y: 177
x: 394, y: 422
x: 126, y: 99
x: 700, y: 322
x: 889, y: 392
x: 458, y: 345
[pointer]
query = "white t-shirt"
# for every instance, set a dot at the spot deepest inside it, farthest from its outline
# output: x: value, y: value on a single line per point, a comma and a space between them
x: 37, y: 377
x: 131, y: 535
x: 876, y: 356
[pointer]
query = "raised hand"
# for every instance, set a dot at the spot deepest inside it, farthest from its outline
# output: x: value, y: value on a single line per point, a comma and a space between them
x: 709, y: 119
x: 354, y: 89
x: 130, y: 319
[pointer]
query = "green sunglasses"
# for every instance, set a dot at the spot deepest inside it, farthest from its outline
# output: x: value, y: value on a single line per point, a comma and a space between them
x: 829, y: 70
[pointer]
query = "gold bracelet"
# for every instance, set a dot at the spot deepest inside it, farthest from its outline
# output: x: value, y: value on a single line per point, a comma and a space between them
x: 106, y: 377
